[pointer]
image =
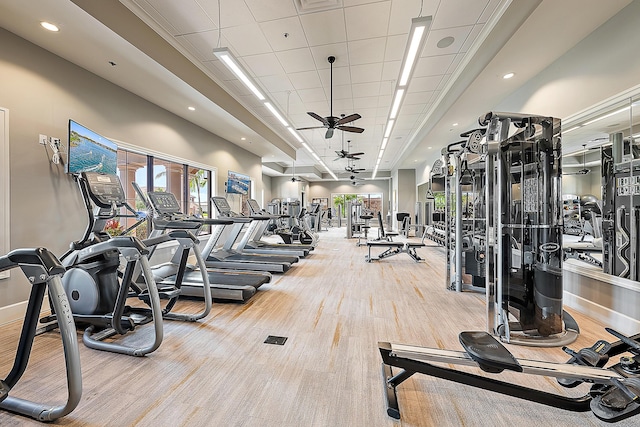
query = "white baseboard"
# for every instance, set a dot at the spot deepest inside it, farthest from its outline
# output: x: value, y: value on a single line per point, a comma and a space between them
x: 602, y: 314
x: 16, y: 312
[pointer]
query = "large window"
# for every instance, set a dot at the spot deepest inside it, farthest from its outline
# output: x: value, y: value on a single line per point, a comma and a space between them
x: 192, y: 186
x: 371, y: 202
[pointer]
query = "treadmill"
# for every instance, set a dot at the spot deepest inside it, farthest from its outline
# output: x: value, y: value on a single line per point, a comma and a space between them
x: 251, y: 241
x: 227, y: 257
x: 225, y: 285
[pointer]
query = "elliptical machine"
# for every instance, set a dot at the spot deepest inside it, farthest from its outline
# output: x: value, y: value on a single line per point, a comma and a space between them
x: 43, y: 270
x: 97, y: 289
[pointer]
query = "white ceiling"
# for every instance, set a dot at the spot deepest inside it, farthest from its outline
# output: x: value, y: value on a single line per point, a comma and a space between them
x: 368, y: 38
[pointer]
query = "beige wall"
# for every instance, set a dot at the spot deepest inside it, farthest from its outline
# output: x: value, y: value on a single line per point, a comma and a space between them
x: 42, y: 92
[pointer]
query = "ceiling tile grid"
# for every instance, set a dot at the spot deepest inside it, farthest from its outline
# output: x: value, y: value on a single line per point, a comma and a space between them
x: 284, y: 50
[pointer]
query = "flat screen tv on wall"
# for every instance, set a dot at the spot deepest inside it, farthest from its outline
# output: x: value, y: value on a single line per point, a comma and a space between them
x: 89, y: 151
x: 238, y: 183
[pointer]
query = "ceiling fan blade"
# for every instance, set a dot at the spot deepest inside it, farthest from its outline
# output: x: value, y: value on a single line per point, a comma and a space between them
x: 312, y: 127
x: 355, y: 154
x: 351, y: 129
x: 341, y: 153
x: 349, y: 118
x: 317, y: 117
x: 329, y: 133
x: 355, y: 158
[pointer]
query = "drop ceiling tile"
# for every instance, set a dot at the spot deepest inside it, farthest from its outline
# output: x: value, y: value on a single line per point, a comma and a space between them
x: 361, y: 90
x: 157, y: 16
x: 288, y: 101
x: 385, y: 102
x: 312, y: 95
x: 433, y: 65
x: 411, y: 109
x: 458, y: 13
x: 341, y: 76
x: 324, y: 27
x: 305, y: 80
x: 459, y: 34
x: 365, y: 102
x: 247, y: 39
x: 320, y: 107
x: 391, y: 70
x: 424, y: 84
x: 186, y: 16
x: 296, y: 60
x: 403, y: 11
x: 267, y: 10
x: 367, y: 51
x: 339, y: 92
x: 276, y: 83
x: 367, y: 21
x: 366, y: 73
x: 274, y: 32
x: 204, y: 43
x: 387, y: 87
x: 394, y: 50
x: 265, y: 64
x: 343, y: 105
x: 337, y: 50
x: 417, y: 98
x: 234, y: 12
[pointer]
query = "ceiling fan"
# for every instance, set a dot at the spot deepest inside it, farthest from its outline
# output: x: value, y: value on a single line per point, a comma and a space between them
x: 353, y: 169
x: 294, y: 178
x: 584, y: 169
x: 345, y: 154
x: 332, y: 122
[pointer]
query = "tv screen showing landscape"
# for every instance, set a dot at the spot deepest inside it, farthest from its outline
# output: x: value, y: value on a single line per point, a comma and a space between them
x: 89, y: 151
x: 238, y: 183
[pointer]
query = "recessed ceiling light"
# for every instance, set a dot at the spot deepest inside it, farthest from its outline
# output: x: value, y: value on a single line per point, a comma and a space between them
x: 445, y: 42
x: 429, y: 148
x: 455, y: 124
x: 243, y: 138
x: 508, y: 75
x: 49, y: 26
x: 191, y: 108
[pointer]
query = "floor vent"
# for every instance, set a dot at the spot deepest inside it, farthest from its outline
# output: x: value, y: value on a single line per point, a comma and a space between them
x: 272, y: 339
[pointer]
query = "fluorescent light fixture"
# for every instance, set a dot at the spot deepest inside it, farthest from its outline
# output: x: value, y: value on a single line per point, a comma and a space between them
x: 49, y: 26
x: 380, y: 155
x: 305, y: 145
x: 315, y: 156
x: 294, y: 133
x: 396, y: 103
x: 605, y: 116
x: 384, y: 143
x: 508, y: 75
x: 417, y: 36
x: 387, y: 131
x: 275, y: 113
x: 227, y: 59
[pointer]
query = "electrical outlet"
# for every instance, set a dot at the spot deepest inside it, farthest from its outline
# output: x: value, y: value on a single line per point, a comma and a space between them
x: 43, y: 139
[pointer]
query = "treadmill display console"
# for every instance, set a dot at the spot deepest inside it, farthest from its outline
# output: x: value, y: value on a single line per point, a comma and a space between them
x: 163, y: 202
x: 104, y: 189
x: 253, y: 206
x: 222, y: 205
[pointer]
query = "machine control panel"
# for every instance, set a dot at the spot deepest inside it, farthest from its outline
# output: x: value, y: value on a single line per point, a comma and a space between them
x: 164, y: 203
x: 104, y: 189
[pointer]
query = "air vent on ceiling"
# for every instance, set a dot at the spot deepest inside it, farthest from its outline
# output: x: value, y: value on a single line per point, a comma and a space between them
x: 308, y: 6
